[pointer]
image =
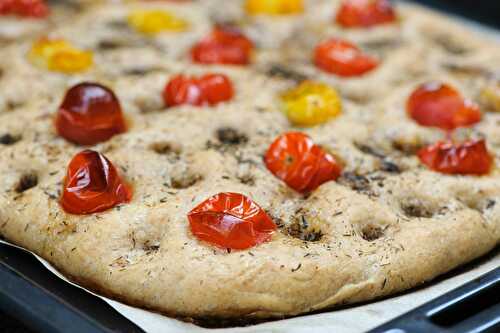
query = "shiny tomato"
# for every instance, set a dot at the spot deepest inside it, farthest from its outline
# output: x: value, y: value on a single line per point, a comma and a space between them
x: 224, y: 45
x: 311, y: 103
x: 92, y: 185
x: 343, y: 58
x: 209, y: 89
x: 365, y: 13
x: 302, y: 165
x: 90, y: 113
x: 24, y: 8
x: 59, y: 55
x: 468, y: 158
x: 231, y: 220
x: 274, y: 7
x: 439, y: 105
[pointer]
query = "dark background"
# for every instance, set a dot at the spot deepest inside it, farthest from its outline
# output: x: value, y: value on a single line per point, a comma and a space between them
x: 485, y: 11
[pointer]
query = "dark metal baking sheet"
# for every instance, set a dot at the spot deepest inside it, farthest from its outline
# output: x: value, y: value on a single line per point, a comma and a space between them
x: 45, y: 303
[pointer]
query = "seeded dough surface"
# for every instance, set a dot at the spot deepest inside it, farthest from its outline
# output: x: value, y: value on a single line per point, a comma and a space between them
x: 388, y: 224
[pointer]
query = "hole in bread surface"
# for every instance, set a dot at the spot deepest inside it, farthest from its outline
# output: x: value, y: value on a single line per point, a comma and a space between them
x: 230, y: 136
x: 185, y: 180
x: 413, y: 207
x: 27, y: 181
x: 302, y: 228
x: 371, y: 232
x: 9, y: 139
x: 166, y: 148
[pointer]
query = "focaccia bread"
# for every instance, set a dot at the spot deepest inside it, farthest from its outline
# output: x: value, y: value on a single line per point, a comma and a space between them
x: 386, y: 224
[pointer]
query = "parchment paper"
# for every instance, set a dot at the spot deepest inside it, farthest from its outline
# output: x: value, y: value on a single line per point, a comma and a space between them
x: 354, y: 319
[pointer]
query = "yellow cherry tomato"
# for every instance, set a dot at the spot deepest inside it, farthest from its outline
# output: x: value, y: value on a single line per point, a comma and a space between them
x: 152, y: 22
x: 274, y: 7
x: 59, y: 56
x: 311, y: 103
x: 490, y: 96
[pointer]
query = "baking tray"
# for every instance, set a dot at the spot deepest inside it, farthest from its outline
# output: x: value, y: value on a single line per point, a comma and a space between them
x: 44, y: 303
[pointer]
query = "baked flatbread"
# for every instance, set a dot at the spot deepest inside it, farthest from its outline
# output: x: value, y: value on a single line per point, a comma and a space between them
x: 386, y: 225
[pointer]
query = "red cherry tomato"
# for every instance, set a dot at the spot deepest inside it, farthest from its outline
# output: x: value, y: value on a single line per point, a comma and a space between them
x: 302, y: 165
x: 343, y: 58
x: 468, y: 158
x: 209, y: 89
x: 365, y: 13
x: 439, y: 105
x: 92, y: 185
x: 24, y: 8
x: 90, y: 113
x: 223, y: 46
x: 231, y: 220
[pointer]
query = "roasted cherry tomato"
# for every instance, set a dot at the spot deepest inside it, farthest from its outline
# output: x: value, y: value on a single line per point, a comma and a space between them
x: 231, y: 220
x: 90, y: 113
x: 60, y: 56
x: 365, y: 13
x: 152, y: 22
x: 343, y: 58
x: 24, y: 8
x: 92, y: 185
x: 311, y: 104
x: 224, y: 45
x: 468, y: 158
x: 439, y: 105
x: 209, y: 89
x: 302, y: 165
x: 274, y: 7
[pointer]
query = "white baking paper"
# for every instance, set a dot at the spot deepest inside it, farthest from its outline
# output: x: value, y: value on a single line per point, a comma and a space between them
x: 354, y: 319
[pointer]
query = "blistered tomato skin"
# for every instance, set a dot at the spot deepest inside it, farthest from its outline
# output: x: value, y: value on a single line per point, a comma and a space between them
x: 90, y: 113
x: 274, y: 7
x: 468, y: 158
x: 436, y: 104
x: 231, y: 220
x: 295, y: 159
x: 224, y: 45
x: 92, y: 185
x: 342, y: 58
x: 311, y: 104
x: 24, y: 8
x: 209, y: 89
x: 365, y: 13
